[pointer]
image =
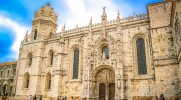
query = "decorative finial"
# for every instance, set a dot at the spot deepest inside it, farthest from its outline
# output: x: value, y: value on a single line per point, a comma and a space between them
x: 27, y: 32
x: 104, y: 11
x: 104, y: 16
x: 104, y: 8
x: 90, y: 20
x: 48, y: 3
x: 118, y: 14
x: 63, y: 28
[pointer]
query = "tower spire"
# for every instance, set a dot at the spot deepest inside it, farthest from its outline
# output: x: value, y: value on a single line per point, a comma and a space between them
x: 90, y: 20
x: 118, y: 15
x: 104, y: 15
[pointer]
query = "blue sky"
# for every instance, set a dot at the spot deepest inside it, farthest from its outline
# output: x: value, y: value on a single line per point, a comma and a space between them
x: 16, y: 17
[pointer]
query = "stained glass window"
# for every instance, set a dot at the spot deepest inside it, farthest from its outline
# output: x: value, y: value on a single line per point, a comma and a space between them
x: 76, y: 64
x: 141, y: 56
x: 105, y: 52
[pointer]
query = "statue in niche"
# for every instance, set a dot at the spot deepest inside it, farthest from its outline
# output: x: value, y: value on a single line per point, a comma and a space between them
x: 119, y: 81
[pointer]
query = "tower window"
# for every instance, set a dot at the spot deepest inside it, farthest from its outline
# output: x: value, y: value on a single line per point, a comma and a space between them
x: 51, y: 57
x: 51, y: 35
x: 105, y: 52
x: 141, y: 56
x: 76, y: 64
x: 26, y: 80
x: 29, y: 59
x: 35, y: 35
x: 48, y: 81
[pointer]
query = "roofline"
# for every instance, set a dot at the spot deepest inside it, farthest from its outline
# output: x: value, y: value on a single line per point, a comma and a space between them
x: 8, y: 63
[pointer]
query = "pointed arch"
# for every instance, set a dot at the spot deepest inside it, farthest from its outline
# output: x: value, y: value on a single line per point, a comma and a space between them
x: 48, y: 81
x: 35, y: 34
x: 51, y: 57
x: 29, y: 59
x: 26, y: 80
x: 51, y: 35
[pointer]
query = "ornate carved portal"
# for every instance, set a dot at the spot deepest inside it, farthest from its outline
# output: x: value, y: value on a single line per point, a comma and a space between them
x: 104, y: 84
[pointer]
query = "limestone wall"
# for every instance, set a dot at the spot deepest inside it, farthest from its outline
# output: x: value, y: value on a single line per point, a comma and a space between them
x: 120, y: 37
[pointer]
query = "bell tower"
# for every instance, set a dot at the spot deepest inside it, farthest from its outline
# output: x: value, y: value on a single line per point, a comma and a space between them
x: 44, y: 24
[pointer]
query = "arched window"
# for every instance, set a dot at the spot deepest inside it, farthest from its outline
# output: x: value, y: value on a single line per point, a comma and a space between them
x: 26, y: 80
x: 5, y: 89
x: 105, y: 52
x: 76, y: 64
x: 51, y: 57
x: 30, y: 58
x: 35, y: 35
x: 1, y: 73
x: 141, y: 56
x: 51, y: 35
x: 48, y: 81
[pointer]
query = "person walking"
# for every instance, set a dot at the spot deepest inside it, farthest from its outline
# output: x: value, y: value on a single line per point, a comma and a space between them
x: 156, y: 98
x: 72, y: 98
x: 34, y: 98
x: 29, y: 97
x: 65, y: 98
x: 40, y: 98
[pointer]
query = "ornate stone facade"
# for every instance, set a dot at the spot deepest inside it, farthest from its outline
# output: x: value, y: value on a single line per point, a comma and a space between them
x: 103, y: 60
x: 7, y: 77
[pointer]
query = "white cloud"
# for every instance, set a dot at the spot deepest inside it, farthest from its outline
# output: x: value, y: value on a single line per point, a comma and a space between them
x: 18, y: 30
x: 78, y: 12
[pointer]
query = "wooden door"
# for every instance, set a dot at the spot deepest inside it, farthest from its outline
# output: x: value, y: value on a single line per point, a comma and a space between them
x: 102, y: 91
x: 111, y: 91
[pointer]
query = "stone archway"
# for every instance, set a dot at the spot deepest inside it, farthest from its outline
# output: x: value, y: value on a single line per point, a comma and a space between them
x: 104, y: 84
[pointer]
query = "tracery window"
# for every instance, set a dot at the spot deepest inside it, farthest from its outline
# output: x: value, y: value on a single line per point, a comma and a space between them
x: 105, y: 52
x: 26, y: 80
x: 51, y: 35
x: 35, y: 35
x: 76, y: 63
x: 48, y: 81
x: 141, y: 56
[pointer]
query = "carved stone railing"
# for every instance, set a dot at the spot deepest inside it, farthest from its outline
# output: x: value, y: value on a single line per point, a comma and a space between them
x: 77, y: 29
x: 111, y: 22
x: 134, y: 17
x: 96, y: 25
x: 99, y: 25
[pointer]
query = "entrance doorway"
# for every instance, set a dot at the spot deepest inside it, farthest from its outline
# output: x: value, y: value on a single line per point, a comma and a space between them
x: 104, y: 84
x: 106, y: 91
